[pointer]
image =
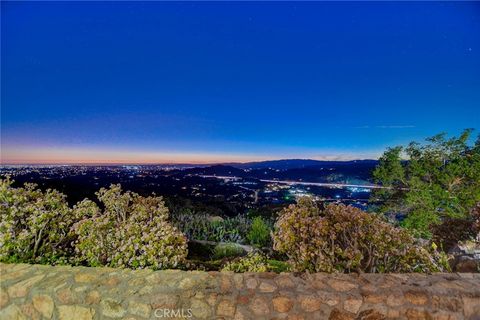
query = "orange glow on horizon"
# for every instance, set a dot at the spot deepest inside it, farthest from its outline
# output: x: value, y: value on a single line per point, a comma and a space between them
x: 91, y: 156
x: 75, y: 156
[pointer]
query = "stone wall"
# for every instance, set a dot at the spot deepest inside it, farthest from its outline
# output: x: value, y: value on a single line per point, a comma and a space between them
x: 44, y: 292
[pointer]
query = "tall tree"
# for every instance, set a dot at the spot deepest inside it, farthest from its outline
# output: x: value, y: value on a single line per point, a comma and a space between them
x: 431, y: 181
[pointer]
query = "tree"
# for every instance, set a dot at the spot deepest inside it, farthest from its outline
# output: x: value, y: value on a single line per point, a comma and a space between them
x: 438, y: 179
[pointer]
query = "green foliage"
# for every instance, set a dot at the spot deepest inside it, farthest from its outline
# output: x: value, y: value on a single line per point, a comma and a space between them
x: 440, y: 179
x: 252, y: 262
x: 132, y: 231
x: 34, y: 225
x: 259, y: 234
x: 278, y: 266
x: 200, y: 226
x: 344, y: 239
x: 226, y: 250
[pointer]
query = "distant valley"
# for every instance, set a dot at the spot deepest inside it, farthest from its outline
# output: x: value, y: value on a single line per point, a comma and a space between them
x: 356, y: 171
x: 230, y: 188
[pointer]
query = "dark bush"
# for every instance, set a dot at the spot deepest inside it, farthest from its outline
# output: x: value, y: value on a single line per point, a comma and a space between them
x: 452, y: 230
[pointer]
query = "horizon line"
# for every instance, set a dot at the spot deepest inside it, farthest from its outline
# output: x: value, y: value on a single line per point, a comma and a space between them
x: 167, y: 163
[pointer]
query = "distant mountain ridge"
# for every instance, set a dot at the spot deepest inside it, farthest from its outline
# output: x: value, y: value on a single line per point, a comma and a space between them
x: 293, y: 169
x: 284, y: 164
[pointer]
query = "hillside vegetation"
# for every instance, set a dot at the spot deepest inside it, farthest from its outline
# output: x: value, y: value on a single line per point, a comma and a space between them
x: 433, y: 188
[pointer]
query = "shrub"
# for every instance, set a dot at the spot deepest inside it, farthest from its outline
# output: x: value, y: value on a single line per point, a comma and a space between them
x: 252, y: 262
x: 475, y: 216
x: 259, y: 234
x: 452, y: 230
x: 344, y: 239
x: 132, y: 231
x: 278, y: 266
x: 199, y: 226
x: 34, y: 225
x: 226, y: 250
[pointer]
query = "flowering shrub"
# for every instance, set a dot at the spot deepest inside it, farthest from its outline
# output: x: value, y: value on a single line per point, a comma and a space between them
x: 252, y: 262
x: 132, y: 231
x: 34, y: 225
x: 344, y: 239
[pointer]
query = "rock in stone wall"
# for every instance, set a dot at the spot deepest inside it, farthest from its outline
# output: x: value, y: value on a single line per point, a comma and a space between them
x: 77, y: 293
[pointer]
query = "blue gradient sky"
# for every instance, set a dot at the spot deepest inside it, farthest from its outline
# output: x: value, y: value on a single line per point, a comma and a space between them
x: 213, y: 82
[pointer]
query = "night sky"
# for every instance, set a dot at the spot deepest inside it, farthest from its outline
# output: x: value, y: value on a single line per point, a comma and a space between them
x: 214, y: 82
